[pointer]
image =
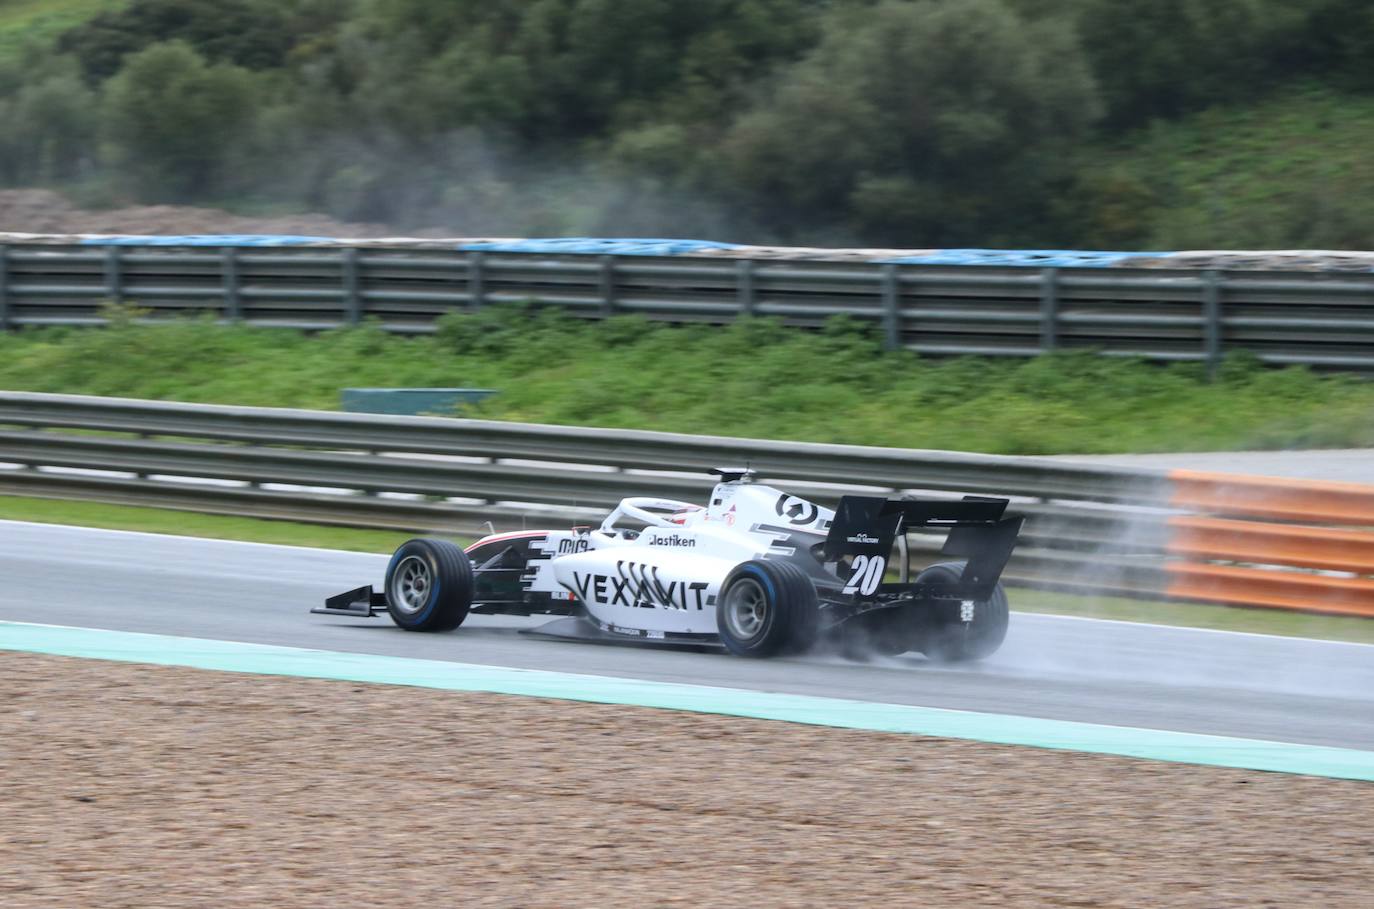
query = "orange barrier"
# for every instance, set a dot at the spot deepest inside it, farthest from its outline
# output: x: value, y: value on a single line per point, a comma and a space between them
x: 1307, y: 501
x: 1259, y: 543
x: 1280, y: 566
x: 1295, y: 590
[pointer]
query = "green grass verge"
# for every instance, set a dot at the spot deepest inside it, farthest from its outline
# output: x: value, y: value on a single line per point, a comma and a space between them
x: 157, y: 520
x: 754, y: 378
x: 191, y: 524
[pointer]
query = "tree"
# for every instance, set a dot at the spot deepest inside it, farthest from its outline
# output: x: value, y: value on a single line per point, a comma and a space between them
x: 256, y: 34
x: 551, y: 70
x: 1167, y: 57
x: 1338, y: 39
x: 915, y: 123
x: 51, y: 124
x: 175, y: 123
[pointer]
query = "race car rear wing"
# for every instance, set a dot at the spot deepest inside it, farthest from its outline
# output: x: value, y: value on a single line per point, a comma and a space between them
x: 978, y: 532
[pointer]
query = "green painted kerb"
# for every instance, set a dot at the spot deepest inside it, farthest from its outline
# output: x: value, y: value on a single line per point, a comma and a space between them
x: 264, y: 659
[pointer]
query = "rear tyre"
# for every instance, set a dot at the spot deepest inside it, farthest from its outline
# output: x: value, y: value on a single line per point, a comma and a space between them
x: 428, y: 585
x: 944, y: 637
x: 767, y: 609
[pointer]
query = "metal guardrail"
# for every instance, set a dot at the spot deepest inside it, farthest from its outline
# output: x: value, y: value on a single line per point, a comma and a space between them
x: 1092, y: 528
x: 1324, y: 320
x: 439, y: 474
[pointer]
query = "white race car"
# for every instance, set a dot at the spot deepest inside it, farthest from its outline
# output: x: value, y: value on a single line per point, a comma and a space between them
x: 756, y: 570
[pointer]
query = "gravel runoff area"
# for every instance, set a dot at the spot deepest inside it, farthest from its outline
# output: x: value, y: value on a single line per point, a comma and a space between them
x: 143, y: 786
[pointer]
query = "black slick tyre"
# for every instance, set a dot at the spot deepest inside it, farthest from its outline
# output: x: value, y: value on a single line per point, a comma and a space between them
x: 943, y: 635
x: 766, y: 609
x: 428, y: 585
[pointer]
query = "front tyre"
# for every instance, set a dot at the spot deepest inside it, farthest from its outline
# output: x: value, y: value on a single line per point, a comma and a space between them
x: 428, y: 585
x: 944, y: 636
x: 767, y: 608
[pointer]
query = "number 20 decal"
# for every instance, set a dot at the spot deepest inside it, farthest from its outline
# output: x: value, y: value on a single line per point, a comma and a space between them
x: 868, y: 574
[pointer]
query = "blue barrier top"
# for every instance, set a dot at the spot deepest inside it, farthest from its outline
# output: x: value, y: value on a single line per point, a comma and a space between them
x: 639, y: 246
x: 598, y: 246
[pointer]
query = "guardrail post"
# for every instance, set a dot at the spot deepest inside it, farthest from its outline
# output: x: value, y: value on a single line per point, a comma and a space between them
x: 891, y: 318
x: 4, y: 287
x: 141, y: 474
x: 1211, y: 320
x: 744, y: 287
x: 353, y: 301
x: 476, y: 280
x: 114, y: 285
x: 1049, y: 309
x: 607, y: 286
x: 233, y: 304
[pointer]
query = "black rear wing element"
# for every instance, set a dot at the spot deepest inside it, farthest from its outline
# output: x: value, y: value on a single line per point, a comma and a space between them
x: 978, y: 532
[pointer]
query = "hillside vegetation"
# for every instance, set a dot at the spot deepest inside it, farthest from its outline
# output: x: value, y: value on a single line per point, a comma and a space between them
x: 753, y: 379
x: 885, y: 122
x: 1281, y: 173
x: 37, y: 22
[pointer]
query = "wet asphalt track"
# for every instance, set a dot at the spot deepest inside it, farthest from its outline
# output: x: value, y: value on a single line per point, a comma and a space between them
x: 1251, y: 686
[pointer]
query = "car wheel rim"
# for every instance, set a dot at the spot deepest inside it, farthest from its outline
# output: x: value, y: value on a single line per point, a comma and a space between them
x: 411, y: 585
x: 746, y: 609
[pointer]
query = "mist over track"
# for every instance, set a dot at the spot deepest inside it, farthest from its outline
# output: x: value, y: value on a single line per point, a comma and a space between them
x: 1250, y: 686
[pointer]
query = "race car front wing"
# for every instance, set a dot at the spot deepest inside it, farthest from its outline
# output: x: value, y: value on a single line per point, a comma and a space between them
x: 362, y: 602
